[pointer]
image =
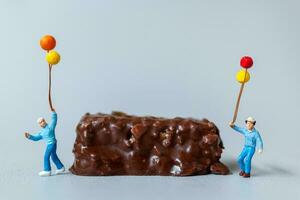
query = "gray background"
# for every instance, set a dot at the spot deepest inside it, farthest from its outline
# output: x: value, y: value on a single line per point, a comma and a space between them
x: 161, y: 57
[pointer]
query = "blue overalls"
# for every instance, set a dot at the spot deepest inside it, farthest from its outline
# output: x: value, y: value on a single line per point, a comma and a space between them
x: 251, y: 139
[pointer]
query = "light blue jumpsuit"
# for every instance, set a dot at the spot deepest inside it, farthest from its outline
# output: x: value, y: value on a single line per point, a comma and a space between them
x: 252, y: 138
x: 48, y: 134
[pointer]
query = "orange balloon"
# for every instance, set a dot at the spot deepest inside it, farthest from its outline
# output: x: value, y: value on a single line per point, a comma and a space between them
x: 48, y: 42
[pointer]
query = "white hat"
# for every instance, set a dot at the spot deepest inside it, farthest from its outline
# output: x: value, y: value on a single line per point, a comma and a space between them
x: 250, y: 119
x: 40, y: 119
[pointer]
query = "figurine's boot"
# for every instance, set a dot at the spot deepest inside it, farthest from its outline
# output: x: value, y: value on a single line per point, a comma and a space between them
x: 246, y: 175
x: 60, y: 171
x: 241, y: 173
x: 45, y: 173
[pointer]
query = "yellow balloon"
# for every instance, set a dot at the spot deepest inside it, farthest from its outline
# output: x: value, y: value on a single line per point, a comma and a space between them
x: 53, y: 57
x: 240, y: 76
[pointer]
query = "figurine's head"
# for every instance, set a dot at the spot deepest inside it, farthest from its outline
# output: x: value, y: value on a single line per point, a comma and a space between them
x: 42, y: 122
x: 250, y: 123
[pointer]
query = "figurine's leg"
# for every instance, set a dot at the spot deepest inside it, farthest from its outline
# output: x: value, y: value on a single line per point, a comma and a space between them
x: 47, y: 166
x: 241, y: 159
x: 248, y: 159
x: 55, y: 158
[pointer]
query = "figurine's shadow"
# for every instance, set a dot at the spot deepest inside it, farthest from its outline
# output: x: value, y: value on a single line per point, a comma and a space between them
x: 272, y: 170
x: 268, y: 170
x: 63, y: 174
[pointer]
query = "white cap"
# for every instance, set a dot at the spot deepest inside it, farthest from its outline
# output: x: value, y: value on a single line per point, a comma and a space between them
x: 250, y: 119
x: 40, y: 119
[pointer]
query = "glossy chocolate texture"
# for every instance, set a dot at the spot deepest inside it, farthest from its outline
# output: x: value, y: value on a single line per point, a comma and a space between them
x: 121, y: 144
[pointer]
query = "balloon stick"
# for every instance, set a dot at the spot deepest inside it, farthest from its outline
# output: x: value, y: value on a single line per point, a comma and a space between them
x: 49, y: 88
x: 239, y: 98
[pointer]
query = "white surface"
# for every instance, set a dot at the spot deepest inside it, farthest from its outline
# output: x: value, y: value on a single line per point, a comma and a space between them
x: 271, y: 180
x: 175, y: 58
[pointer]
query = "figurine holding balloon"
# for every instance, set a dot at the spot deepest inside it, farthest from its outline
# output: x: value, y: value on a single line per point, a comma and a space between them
x: 251, y: 135
x: 47, y: 131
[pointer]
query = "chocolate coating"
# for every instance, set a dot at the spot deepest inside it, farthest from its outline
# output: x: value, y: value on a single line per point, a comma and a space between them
x: 120, y: 144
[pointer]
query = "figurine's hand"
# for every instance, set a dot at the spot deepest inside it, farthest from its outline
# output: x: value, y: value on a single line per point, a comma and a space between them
x: 260, y: 151
x: 53, y: 110
x: 231, y: 124
x: 27, y: 134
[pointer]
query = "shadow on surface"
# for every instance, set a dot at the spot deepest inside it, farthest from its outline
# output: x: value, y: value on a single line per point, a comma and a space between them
x: 272, y: 170
x: 232, y: 165
x: 267, y: 170
x: 67, y: 172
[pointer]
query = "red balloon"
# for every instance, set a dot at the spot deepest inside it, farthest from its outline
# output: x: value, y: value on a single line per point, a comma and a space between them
x: 48, y: 42
x: 246, y: 62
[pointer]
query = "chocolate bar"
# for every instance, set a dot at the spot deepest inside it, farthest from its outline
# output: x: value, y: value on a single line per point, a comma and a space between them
x: 121, y: 144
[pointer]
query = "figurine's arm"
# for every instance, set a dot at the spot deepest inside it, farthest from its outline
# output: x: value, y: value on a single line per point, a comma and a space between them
x: 259, y: 143
x: 238, y: 129
x: 35, y: 137
x: 54, y: 120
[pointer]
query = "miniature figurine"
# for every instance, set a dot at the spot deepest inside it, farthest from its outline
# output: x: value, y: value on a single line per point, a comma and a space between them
x: 48, y: 134
x: 48, y: 43
x: 252, y: 138
x: 251, y: 134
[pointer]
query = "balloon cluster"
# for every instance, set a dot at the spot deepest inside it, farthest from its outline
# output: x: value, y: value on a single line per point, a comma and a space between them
x: 48, y: 43
x: 242, y: 77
